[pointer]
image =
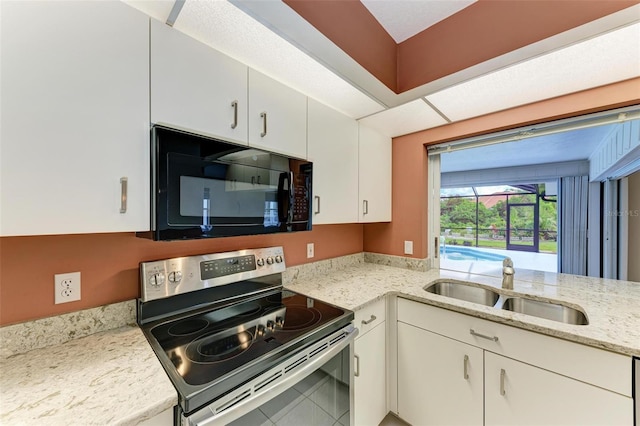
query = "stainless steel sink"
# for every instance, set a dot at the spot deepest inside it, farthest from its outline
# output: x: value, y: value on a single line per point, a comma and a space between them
x: 547, y: 310
x: 465, y: 292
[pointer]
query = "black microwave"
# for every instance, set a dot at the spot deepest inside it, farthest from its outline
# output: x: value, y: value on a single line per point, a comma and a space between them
x: 203, y: 187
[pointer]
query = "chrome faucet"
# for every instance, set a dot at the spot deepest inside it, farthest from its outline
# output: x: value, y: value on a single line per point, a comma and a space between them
x: 507, y: 273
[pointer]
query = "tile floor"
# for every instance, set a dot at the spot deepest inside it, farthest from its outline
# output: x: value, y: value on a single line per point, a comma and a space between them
x: 318, y: 400
x: 391, y: 420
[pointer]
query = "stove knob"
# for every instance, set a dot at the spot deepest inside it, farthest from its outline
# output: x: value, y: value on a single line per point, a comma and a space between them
x: 270, y: 325
x: 280, y: 321
x: 175, y: 277
x: 156, y: 280
x: 270, y: 260
x: 260, y: 331
x: 278, y: 259
x: 260, y: 262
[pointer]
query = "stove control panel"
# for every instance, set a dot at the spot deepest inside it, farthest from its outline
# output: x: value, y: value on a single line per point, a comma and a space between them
x: 165, y: 278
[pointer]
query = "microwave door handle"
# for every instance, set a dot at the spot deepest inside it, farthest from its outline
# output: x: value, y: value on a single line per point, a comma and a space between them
x: 283, y: 211
x: 292, y: 199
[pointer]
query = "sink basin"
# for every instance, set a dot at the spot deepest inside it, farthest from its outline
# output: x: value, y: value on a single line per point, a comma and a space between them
x: 547, y: 310
x: 465, y: 292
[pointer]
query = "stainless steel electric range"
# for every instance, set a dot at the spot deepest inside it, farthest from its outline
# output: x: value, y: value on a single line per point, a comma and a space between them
x: 239, y: 348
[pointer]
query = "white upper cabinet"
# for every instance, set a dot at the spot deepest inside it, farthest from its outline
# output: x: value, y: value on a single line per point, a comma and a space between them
x: 375, y: 176
x: 333, y: 149
x: 195, y: 87
x: 277, y: 116
x: 75, y: 117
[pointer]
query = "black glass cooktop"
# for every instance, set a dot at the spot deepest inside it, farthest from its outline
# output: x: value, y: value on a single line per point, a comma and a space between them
x: 206, y: 346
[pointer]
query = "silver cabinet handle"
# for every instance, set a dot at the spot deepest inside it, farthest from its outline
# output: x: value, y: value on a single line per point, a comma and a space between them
x: 473, y: 333
x: 357, y: 369
x: 317, y: 197
x: 253, y: 180
x: 258, y: 179
x: 365, y: 207
x: 263, y: 115
x: 466, y: 367
x: 123, y: 194
x: 234, y: 105
x: 370, y: 320
x: 502, y: 374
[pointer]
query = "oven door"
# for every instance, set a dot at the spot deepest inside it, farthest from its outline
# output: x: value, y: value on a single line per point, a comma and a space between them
x: 312, y: 387
x: 206, y: 188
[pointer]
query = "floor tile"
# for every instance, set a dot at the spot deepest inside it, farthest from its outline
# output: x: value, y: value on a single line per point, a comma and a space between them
x: 306, y: 414
x: 333, y: 397
x: 391, y: 420
x: 345, y: 420
x: 279, y: 406
x: 252, y: 418
x: 309, y: 384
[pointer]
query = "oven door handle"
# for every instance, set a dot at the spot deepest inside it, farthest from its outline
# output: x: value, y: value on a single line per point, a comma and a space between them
x: 217, y: 412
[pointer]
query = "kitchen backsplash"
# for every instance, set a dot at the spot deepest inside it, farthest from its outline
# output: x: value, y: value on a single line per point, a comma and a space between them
x: 29, y: 335
x: 109, y: 263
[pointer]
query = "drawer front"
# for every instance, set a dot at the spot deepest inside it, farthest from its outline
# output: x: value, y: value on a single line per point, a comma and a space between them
x: 370, y: 316
x: 596, y: 366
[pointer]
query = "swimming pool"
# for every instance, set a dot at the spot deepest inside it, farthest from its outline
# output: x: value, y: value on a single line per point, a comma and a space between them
x: 468, y: 254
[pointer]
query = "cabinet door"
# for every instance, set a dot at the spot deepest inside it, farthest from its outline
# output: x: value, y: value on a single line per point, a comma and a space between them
x: 517, y: 393
x: 375, y: 176
x: 439, y: 379
x: 370, y: 397
x: 333, y: 148
x: 195, y: 87
x: 277, y: 116
x: 75, y: 117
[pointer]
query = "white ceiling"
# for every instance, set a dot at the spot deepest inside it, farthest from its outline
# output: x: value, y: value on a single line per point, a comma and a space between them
x: 405, y: 18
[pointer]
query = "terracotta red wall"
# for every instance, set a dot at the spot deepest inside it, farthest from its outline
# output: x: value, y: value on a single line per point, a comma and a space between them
x: 109, y: 264
x: 409, y: 186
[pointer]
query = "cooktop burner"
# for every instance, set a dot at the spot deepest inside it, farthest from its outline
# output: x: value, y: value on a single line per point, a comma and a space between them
x: 210, y: 344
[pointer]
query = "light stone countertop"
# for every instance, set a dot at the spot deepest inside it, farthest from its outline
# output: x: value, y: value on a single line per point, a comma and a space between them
x: 113, y: 377
x: 109, y: 378
x: 612, y: 307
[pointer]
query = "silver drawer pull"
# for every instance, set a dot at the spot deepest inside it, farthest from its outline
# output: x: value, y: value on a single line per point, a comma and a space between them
x: 370, y: 320
x: 365, y: 207
x: 466, y: 367
x: 357, y: 369
x: 317, y: 197
x: 123, y: 194
x: 502, y: 374
x: 473, y: 333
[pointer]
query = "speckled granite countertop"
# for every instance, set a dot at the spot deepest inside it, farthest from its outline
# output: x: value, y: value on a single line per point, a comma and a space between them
x: 612, y: 307
x: 108, y: 378
x: 113, y: 377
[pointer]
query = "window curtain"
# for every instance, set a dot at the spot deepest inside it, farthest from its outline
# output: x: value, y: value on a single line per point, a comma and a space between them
x: 572, y: 246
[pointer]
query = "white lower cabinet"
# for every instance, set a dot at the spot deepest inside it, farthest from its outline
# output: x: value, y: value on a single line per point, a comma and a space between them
x: 370, y: 396
x: 518, y: 393
x: 440, y: 379
x: 500, y: 383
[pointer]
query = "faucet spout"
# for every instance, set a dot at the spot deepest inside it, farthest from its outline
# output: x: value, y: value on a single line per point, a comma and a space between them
x: 507, y: 273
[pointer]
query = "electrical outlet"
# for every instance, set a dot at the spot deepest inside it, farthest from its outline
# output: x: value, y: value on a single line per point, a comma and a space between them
x: 66, y: 287
x: 408, y: 247
x: 310, y: 249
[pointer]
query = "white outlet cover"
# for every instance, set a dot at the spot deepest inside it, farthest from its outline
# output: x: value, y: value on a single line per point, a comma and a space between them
x: 310, y: 250
x: 408, y: 247
x: 66, y: 287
